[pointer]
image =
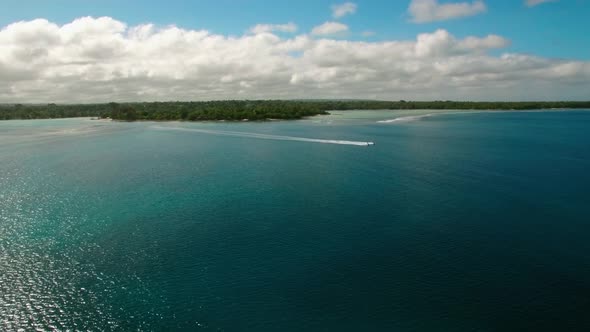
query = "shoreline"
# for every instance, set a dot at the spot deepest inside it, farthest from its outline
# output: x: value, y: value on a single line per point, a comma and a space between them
x: 328, y: 113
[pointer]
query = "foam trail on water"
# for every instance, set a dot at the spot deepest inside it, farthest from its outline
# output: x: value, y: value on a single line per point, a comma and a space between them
x: 265, y: 136
x: 406, y: 118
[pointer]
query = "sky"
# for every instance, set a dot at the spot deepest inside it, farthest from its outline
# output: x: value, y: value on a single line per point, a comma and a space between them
x: 98, y: 51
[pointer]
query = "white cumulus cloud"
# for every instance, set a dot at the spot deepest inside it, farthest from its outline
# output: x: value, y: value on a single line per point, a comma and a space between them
x: 262, y: 28
x: 442, y: 43
x: 423, y: 11
x: 344, y: 9
x: 329, y: 28
x: 102, y: 60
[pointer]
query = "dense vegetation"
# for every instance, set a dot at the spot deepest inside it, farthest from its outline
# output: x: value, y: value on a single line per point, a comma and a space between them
x: 250, y: 110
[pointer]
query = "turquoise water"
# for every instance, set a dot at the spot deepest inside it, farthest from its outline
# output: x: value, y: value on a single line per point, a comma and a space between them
x: 450, y: 222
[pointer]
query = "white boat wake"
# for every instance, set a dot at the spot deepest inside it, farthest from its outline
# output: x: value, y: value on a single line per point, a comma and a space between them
x: 406, y: 118
x: 265, y: 136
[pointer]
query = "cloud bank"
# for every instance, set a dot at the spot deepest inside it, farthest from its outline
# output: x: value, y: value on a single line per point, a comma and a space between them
x: 423, y: 11
x: 102, y: 59
x: 329, y: 28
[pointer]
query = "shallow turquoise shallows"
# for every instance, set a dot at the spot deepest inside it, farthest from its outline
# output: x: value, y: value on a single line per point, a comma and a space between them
x: 450, y: 222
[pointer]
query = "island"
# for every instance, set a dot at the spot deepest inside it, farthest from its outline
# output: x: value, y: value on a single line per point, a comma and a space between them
x: 251, y: 110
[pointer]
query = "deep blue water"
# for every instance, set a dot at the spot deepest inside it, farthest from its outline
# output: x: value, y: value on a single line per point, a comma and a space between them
x: 452, y: 222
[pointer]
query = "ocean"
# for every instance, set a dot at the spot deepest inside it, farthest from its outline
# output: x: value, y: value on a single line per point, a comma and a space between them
x: 451, y: 221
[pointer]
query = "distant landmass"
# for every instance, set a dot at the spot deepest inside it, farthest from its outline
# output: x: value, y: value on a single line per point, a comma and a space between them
x: 254, y: 110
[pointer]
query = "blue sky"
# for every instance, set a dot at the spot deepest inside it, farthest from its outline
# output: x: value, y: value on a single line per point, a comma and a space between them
x: 97, y: 51
x: 553, y: 29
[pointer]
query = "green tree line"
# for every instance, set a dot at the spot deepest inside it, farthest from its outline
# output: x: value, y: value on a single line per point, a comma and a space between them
x: 236, y: 110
